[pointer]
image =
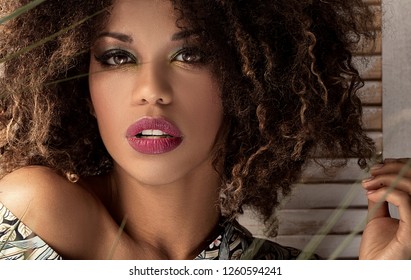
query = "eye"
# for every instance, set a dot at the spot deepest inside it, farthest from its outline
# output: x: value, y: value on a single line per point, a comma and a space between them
x: 189, y: 55
x: 116, y: 57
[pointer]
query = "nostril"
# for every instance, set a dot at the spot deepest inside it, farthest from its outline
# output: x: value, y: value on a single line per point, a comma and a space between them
x: 152, y: 101
x: 143, y: 101
x: 153, y: 98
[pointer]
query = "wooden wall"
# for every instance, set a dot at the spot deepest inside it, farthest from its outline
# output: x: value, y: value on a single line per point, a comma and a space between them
x: 318, y: 197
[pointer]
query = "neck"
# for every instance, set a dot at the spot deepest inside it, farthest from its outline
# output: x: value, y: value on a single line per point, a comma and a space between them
x: 174, y: 220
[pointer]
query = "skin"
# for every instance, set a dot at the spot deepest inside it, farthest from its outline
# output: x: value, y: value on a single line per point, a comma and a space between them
x: 158, y: 77
x: 385, y: 237
x: 168, y: 197
x: 164, y: 198
x: 69, y: 218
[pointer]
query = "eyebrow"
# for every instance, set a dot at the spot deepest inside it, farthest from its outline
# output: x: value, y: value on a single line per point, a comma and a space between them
x: 182, y: 35
x: 128, y: 39
x: 119, y: 36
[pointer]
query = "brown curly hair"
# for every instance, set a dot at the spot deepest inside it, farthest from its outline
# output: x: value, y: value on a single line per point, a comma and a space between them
x: 285, y: 69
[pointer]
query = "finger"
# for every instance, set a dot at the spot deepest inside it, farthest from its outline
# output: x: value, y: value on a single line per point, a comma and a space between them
x: 394, y: 167
x: 377, y: 209
x: 391, y: 180
x: 396, y: 197
x: 403, y: 160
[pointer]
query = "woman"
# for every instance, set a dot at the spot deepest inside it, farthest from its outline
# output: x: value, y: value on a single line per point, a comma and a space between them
x: 144, y: 127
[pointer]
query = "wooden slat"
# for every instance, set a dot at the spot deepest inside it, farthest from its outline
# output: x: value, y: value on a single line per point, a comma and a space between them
x: 366, y: 47
x: 372, y: 117
x: 308, y: 221
x: 376, y: 9
x: 371, y: 93
x: 376, y: 136
x: 370, y: 67
x: 372, y: 2
x: 314, y: 173
x: 326, y: 247
x: 326, y: 196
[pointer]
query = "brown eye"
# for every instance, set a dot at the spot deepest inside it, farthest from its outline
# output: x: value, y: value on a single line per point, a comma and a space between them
x: 119, y: 60
x: 116, y: 58
x: 188, y: 56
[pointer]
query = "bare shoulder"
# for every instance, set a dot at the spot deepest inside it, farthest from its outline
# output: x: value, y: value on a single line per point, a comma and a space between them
x: 63, y: 214
x: 31, y: 185
x: 37, y: 187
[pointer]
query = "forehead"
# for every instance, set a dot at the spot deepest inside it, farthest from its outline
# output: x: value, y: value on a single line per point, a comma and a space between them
x: 141, y: 14
x: 148, y: 24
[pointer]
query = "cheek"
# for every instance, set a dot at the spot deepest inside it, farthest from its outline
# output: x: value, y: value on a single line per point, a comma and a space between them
x: 97, y: 87
x: 104, y: 88
x: 199, y: 92
x: 204, y: 108
x: 202, y: 98
x: 105, y: 107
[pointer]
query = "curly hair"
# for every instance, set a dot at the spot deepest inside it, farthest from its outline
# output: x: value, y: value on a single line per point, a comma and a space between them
x: 285, y: 68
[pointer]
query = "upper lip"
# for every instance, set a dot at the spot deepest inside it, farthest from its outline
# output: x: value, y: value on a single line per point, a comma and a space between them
x: 150, y: 123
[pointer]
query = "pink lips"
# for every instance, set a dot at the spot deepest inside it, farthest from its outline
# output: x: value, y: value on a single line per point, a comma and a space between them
x: 153, y: 136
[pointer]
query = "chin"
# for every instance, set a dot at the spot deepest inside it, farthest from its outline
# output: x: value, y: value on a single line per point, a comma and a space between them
x: 157, y: 177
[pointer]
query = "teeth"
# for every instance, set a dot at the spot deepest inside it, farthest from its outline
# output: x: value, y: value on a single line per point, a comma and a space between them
x: 153, y: 133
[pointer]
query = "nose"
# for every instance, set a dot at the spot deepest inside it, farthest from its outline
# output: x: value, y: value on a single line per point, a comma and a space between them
x: 152, y: 85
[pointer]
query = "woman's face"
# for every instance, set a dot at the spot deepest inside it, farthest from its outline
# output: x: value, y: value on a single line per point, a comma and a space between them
x: 157, y: 104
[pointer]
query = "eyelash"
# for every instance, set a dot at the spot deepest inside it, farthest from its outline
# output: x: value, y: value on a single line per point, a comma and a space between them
x: 105, y: 58
x: 108, y: 58
x: 200, y: 57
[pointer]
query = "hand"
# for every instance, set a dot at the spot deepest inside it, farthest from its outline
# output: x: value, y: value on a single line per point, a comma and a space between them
x: 385, y: 237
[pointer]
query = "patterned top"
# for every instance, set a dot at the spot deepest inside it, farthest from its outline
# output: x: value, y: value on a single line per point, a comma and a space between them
x: 18, y: 242
x: 231, y: 242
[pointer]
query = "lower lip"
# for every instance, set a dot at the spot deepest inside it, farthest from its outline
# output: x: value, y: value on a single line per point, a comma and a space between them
x: 154, y: 146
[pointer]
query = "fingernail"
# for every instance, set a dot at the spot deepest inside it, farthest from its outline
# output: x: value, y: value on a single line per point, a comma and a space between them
x: 368, y: 179
x: 377, y: 166
x: 371, y: 192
